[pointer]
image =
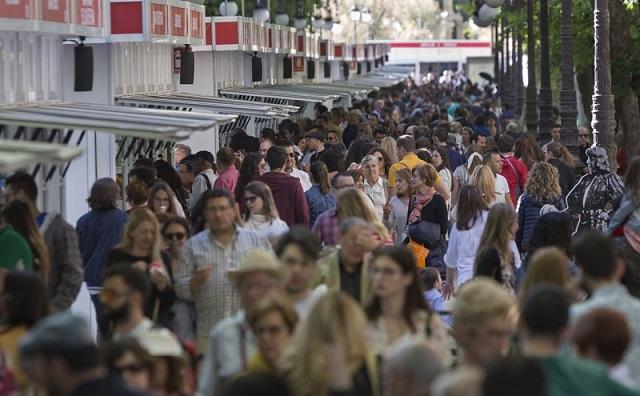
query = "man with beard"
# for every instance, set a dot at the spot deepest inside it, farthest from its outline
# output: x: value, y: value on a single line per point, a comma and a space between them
x: 123, y: 295
x: 59, y: 354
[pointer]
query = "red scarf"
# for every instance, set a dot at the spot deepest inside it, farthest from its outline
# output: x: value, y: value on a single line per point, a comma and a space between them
x: 422, y: 197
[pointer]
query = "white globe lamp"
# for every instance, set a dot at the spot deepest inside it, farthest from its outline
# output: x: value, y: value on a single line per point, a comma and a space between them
x: 487, y: 13
x: 228, y: 8
x: 261, y: 13
x: 282, y: 19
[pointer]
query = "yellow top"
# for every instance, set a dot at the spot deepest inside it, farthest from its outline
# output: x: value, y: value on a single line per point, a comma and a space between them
x: 9, y: 340
x: 409, y: 161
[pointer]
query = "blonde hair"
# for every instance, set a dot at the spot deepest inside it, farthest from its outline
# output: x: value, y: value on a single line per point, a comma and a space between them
x: 334, y: 318
x: 548, y: 265
x: 497, y: 232
x: 483, y: 178
x: 388, y: 144
x: 480, y: 299
x: 352, y: 202
x: 137, y: 217
x: 543, y: 182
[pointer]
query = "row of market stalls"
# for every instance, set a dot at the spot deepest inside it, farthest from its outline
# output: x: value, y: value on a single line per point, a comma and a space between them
x: 87, y: 86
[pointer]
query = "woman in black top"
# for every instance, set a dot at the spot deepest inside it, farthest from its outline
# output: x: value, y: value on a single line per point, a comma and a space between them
x: 141, y: 248
x: 427, y: 205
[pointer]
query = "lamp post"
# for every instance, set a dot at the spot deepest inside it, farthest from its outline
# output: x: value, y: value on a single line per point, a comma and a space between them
x: 532, y: 98
x: 602, y: 108
x: 355, y: 17
x: 545, y: 123
x: 568, y: 110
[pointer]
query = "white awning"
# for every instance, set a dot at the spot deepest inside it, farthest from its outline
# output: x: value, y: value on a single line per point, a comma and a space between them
x: 213, y: 104
x: 267, y: 93
x: 125, y: 121
x: 20, y: 154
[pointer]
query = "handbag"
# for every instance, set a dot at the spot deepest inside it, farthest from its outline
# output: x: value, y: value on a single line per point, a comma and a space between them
x: 420, y: 252
x: 425, y: 232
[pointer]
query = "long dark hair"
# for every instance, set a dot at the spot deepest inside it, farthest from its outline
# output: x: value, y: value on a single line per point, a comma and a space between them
x: 260, y: 189
x: 470, y: 207
x: 26, y: 298
x: 168, y: 173
x: 445, y: 158
x: 414, y: 295
x: 19, y: 215
x: 320, y: 176
x: 249, y: 171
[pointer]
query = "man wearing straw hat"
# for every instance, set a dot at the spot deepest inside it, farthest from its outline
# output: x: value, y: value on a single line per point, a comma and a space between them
x: 231, y: 342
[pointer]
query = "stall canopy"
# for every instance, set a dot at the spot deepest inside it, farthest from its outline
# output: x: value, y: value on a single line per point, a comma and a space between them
x: 142, y: 131
x: 165, y: 125
x: 249, y: 113
x: 20, y: 154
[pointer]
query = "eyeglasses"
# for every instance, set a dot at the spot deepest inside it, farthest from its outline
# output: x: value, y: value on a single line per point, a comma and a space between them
x: 178, y: 236
x: 131, y: 368
x: 250, y: 199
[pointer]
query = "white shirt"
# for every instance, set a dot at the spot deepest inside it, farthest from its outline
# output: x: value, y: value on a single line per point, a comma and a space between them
x: 502, y: 189
x: 303, y: 307
x: 259, y: 224
x: 378, y: 194
x: 303, y: 177
x: 200, y: 186
x: 462, y: 249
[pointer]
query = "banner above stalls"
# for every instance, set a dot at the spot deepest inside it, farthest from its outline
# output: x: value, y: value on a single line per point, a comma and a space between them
x: 165, y: 21
x: 63, y: 17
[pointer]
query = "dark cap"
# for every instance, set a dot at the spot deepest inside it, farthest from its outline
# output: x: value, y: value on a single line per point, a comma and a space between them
x: 317, y: 135
x: 205, y: 155
x: 58, y: 333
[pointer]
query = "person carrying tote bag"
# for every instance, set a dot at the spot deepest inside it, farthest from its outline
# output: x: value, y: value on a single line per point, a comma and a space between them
x: 428, y: 216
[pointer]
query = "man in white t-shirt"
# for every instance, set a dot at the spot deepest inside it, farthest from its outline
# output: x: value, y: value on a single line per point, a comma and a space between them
x: 502, y: 186
x: 298, y: 251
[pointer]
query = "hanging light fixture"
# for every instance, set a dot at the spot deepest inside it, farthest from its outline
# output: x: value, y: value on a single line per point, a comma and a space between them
x: 355, y: 13
x: 261, y: 12
x: 366, y: 15
x: 228, y: 8
x: 337, y: 27
x: 328, y: 23
x: 300, y: 22
x: 282, y: 19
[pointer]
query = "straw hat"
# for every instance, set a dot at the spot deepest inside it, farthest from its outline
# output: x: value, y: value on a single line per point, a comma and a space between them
x: 256, y: 261
x: 160, y: 343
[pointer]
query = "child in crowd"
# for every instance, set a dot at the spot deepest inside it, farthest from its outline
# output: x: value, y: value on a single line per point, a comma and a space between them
x: 433, y: 294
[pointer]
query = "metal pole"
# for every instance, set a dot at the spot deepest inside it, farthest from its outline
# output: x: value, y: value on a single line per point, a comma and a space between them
x: 532, y: 97
x: 568, y: 105
x: 544, y: 96
x: 602, y: 107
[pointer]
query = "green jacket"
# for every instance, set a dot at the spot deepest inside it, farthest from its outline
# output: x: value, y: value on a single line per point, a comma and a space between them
x: 329, y: 274
x: 15, y: 253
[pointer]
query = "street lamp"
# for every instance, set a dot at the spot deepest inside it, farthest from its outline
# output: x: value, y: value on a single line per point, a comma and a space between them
x: 355, y: 13
x: 366, y: 15
x: 261, y: 12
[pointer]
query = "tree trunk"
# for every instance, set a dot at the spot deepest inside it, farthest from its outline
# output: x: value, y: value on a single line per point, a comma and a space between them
x: 630, y: 120
x: 622, y: 76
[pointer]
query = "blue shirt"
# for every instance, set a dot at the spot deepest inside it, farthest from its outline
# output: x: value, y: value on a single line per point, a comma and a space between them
x: 98, y: 233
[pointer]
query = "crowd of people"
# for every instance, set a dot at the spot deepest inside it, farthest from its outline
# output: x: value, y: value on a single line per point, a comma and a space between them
x: 419, y: 243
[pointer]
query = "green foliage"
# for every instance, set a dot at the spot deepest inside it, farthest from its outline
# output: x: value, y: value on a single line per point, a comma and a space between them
x: 289, y: 6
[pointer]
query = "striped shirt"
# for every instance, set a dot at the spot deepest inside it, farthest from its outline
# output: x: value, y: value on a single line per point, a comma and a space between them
x: 217, y: 298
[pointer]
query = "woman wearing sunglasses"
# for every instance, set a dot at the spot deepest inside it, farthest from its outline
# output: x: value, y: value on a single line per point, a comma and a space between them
x: 127, y: 359
x: 262, y: 216
x: 175, y: 233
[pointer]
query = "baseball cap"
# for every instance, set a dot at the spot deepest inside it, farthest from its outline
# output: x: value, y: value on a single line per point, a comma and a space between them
x: 205, y: 155
x: 317, y: 135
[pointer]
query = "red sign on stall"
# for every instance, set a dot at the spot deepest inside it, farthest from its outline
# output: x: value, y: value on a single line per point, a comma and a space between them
x: 89, y: 13
x: 54, y: 11
x: 298, y: 64
x: 178, y: 21
x: 159, y: 19
x: 18, y: 9
x: 196, y: 24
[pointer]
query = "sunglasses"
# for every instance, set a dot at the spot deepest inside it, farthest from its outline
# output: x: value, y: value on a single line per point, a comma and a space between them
x: 250, y: 199
x: 131, y: 368
x: 178, y: 236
